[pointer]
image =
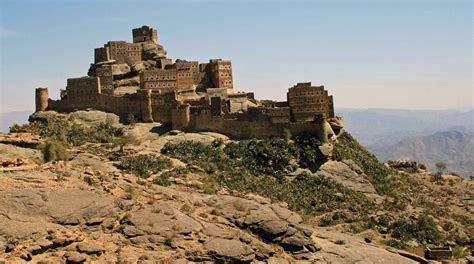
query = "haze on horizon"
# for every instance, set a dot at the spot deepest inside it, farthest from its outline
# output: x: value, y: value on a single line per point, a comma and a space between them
x: 367, y: 54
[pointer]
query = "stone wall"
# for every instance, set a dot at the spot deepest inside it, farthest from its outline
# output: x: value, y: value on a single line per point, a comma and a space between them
x: 163, y: 80
x: 122, y: 105
x: 244, y: 127
x: 83, y: 92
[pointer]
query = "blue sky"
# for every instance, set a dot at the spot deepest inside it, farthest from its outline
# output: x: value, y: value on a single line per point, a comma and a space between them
x: 389, y: 54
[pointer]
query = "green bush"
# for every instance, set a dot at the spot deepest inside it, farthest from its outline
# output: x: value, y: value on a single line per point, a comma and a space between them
x: 396, y: 243
x: 191, y: 151
x: 53, y: 150
x: 309, y: 153
x: 423, y: 230
x: 144, y: 165
x: 259, y: 166
x: 163, y: 179
x: 60, y: 129
x: 270, y: 157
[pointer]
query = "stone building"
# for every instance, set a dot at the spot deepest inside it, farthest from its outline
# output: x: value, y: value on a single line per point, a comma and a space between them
x: 137, y: 78
x: 305, y: 100
x: 144, y: 33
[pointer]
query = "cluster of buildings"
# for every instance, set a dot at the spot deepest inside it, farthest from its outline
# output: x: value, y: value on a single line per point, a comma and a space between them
x: 189, y: 95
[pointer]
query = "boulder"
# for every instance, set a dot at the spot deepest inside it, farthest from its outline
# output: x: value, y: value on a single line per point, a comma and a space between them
x: 90, y: 247
x: 344, y: 174
x: 138, y: 67
x: 119, y: 70
x: 326, y: 149
x: 229, y: 249
x: 337, y: 125
x: 134, y: 81
x: 94, y: 117
x: 75, y: 257
x: 43, y: 116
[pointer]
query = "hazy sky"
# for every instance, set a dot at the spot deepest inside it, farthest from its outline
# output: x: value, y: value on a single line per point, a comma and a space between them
x: 387, y: 54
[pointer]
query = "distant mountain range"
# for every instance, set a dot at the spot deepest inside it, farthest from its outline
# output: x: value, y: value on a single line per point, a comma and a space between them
x: 424, y: 136
x: 456, y: 148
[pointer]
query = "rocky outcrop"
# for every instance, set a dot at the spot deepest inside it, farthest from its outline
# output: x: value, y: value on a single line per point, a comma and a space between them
x: 153, y: 51
x: 350, y: 175
x: 43, y: 116
x: 94, y: 117
x: 114, y: 218
x: 120, y: 70
x: 88, y: 210
x: 342, y: 248
x: 134, y: 81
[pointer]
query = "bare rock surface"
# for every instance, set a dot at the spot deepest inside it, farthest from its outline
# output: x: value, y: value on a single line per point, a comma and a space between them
x: 9, y: 151
x: 119, y: 70
x: 350, y: 175
x: 94, y: 117
x: 86, y: 161
x: 342, y: 248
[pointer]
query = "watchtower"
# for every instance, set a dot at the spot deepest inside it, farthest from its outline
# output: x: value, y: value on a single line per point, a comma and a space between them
x: 41, y: 99
x: 145, y: 33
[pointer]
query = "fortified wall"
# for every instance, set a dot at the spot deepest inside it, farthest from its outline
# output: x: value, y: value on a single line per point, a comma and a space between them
x: 137, y: 78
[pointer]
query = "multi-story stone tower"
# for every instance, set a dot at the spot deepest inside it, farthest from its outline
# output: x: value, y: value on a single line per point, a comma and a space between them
x: 306, y: 100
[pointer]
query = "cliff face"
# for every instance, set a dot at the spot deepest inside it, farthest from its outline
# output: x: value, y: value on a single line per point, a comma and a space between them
x: 128, y: 193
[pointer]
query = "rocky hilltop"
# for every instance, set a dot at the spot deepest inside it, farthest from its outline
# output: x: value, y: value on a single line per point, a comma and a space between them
x: 84, y: 187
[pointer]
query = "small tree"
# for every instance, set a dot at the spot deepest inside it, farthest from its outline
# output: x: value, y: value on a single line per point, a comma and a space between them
x: 128, y: 139
x: 440, y: 167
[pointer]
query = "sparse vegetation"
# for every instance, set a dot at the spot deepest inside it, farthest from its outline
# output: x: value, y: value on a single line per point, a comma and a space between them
x: 128, y: 139
x: 163, y: 179
x: 71, y: 133
x: 91, y: 180
x: 259, y: 166
x: 379, y: 175
x: 423, y: 229
x: 62, y: 175
x: 53, y: 150
x: 440, y: 168
x: 405, y: 165
x: 131, y: 119
x: 144, y: 165
x: 266, y: 167
x: 132, y: 192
